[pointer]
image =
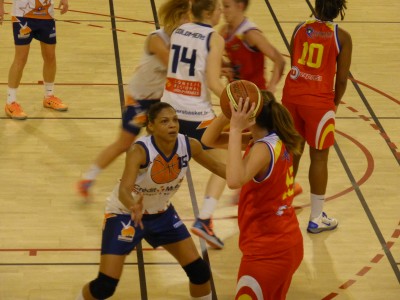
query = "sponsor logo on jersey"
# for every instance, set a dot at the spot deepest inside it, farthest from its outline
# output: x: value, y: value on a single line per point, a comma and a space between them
x: 296, y: 73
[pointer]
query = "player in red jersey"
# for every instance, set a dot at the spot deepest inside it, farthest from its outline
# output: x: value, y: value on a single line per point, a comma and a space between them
x: 270, y: 238
x: 246, y: 46
x: 320, y: 58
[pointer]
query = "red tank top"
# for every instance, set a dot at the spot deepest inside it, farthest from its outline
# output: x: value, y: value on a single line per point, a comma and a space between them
x: 312, y: 76
x: 267, y: 220
x: 247, y: 62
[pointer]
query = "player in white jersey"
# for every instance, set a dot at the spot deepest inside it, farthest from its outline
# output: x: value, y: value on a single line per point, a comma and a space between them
x: 33, y: 19
x: 140, y: 206
x: 195, y: 61
x: 144, y: 89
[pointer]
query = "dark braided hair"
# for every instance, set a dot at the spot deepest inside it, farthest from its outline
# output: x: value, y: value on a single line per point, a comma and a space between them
x: 327, y: 10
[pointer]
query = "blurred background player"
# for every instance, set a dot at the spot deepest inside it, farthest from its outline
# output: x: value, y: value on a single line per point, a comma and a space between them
x: 36, y: 22
x: 144, y: 89
x: 320, y: 58
x: 246, y: 48
x: 194, y: 67
x: 269, y: 235
x: 134, y: 211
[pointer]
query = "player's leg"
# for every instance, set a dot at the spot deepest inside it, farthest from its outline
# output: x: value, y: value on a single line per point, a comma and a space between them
x: 118, y: 239
x: 47, y: 37
x: 320, y: 137
x: 196, y: 268
x: 22, y: 38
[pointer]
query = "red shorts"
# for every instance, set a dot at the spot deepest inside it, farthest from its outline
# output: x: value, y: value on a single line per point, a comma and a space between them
x: 268, y: 278
x: 315, y: 124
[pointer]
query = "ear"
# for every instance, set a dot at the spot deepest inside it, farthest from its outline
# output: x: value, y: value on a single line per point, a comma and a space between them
x: 150, y: 126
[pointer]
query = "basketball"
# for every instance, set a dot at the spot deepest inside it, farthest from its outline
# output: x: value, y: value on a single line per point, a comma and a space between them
x: 164, y: 172
x: 240, y: 89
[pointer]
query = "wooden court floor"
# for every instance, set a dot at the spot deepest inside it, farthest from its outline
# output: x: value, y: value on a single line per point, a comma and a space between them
x: 49, y: 239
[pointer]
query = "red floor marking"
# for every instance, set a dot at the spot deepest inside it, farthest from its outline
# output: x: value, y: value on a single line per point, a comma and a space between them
x: 330, y: 296
x: 365, y: 118
x: 389, y: 244
x: 363, y: 271
x: 396, y: 233
x: 374, y: 126
x: 347, y: 284
x: 377, y: 258
x: 93, y: 25
x: 352, y: 109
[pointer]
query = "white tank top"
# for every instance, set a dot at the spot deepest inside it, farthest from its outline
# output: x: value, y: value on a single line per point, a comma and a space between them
x: 186, y: 87
x: 149, y: 77
x: 37, y: 9
x: 158, y: 179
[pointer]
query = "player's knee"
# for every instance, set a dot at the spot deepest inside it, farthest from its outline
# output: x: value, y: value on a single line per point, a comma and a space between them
x: 198, y: 271
x: 103, y: 286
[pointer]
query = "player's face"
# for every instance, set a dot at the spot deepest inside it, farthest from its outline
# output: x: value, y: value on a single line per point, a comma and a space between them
x: 230, y: 9
x: 216, y: 16
x: 165, y: 125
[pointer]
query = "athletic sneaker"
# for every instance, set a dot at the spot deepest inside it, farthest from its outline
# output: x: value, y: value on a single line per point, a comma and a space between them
x: 204, y: 229
x: 297, y: 189
x: 321, y: 223
x: 15, y: 111
x: 84, y: 186
x: 55, y: 103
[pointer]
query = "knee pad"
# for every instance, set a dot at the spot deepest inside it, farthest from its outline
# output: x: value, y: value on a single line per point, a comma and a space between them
x: 198, y: 271
x: 103, y: 286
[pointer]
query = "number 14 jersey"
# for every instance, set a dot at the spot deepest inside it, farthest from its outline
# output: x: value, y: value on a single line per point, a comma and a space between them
x: 186, y: 87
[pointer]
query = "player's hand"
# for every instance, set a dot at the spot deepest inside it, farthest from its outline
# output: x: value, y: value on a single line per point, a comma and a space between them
x: 83, y: 187
x: 241, y: 117
x: 63, y: 6
x: 137, y: 210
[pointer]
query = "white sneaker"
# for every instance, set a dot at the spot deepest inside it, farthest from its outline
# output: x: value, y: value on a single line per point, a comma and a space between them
x: 322, y: 223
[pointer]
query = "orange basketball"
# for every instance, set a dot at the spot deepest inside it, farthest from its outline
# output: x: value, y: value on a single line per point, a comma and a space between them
x: 164, y: 172
x: 240, y: 89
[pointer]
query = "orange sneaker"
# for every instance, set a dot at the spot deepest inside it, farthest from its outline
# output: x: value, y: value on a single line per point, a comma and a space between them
x: 297, y: 189
x: 54, y: 103
x: 15, y: 111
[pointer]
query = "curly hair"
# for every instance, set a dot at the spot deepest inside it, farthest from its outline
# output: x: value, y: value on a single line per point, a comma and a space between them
x: 330, y: 9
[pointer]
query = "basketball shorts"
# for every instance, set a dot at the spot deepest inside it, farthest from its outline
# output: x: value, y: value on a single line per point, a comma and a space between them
x: 315, y: 124
x: 194, y: 130
x: 120, y: 236
x: 26, y: 29
x: 134, y: 116
x: 268, y: 278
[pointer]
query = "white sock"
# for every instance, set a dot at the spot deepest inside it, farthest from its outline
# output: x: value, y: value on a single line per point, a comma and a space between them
x: 206, y: 297
x: 317, y: 205
x: 11, y: 95
x: 92, y: 173
x: 208, y: 208
x: 80, y: 296
x: 48, y: 89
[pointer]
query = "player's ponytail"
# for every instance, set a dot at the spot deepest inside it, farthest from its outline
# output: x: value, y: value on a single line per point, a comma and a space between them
x: 275, y: 117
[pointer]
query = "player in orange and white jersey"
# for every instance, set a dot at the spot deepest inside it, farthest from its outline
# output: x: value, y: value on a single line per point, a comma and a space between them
x: 144, y: 89
x: 194, y: 68
x: 269, y: 235
x: 34, y: 19
x: 140, y: 208
x: 320, y: 59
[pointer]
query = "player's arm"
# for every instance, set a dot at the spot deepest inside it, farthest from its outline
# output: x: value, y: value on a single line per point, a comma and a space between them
x: 157, y: 46
x: 240, y: 171
x: 214, y: 61
x: 205, y: 159
x: 216, y: 136
x: 256, y: 39
x: 134, y: 158
x: 63, y: 6
x: 343, y: 65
